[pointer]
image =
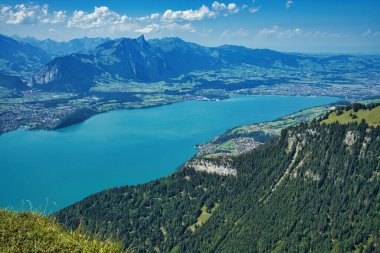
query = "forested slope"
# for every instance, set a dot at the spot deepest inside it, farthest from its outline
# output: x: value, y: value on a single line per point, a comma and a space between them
x: 314, y: 188
x: 157, y: 214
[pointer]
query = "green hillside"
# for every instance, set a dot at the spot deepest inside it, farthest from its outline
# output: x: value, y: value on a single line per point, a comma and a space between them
x: 345, y: 116
x: 316, y: 189
x: 313, y: 189
x: 32, y: 232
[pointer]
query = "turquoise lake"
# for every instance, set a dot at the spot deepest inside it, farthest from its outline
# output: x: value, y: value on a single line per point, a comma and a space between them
x: 122, y: 147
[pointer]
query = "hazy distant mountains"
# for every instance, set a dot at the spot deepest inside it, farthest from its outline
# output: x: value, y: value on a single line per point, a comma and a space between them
x: 55, y: 48
x: 82, y: 63
x: 19, y: 58
x: 147, y: 61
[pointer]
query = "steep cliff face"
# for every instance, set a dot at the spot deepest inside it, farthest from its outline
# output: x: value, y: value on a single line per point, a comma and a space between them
x: 223, y: 168
x: 67, y: 73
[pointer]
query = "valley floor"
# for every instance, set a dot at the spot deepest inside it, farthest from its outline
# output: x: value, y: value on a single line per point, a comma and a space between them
x: 33, y: 109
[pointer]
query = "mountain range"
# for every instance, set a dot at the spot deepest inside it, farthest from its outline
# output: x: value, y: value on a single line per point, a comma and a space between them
x: 20, y: 59
x: 79, y: 65
x: 124, y: 59
x: 59, y: 48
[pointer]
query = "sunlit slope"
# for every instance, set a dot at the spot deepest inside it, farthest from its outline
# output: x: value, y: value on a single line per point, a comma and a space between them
x: 371, y: 116
x: 32, y: 232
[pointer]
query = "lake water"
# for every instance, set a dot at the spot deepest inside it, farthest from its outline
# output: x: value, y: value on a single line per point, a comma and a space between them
x: 122, y: 147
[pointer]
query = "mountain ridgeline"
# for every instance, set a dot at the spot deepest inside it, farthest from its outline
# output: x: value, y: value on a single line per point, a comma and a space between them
x: 124, y: 59
x: 19, y: 58
x: 83, y: 65
x: 315, y: 188
x: 60, y: 48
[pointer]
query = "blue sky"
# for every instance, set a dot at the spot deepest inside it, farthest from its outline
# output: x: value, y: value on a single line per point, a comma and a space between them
x: 329, y: 26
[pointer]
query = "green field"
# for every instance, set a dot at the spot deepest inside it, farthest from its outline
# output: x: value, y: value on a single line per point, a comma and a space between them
x: 372, y: 117
x: 20, y: 231
x: 203, y: 217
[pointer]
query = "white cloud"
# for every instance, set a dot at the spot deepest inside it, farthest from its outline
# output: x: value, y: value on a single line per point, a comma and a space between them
x: 189, y: 15
x: 291, y: 33
x: 268, y: 31
x: 100, y: 17
x: 103, y: 19
x: 320, y: 34
x: 203, y: 12
x: 254, y: 8
x: 232, y: 8
x: 277, y: 32
x: 30, y: 14
x: 150, y: 17
x: 221, y: 8
x: 238, y: 33
x: 149, y: 28
x: 58, y: 17
x: 168, y: 26
x: 288, y: 4
x: 173, y: 20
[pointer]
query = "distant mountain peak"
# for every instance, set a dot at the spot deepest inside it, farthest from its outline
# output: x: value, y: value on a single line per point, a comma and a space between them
x: 141, y: 38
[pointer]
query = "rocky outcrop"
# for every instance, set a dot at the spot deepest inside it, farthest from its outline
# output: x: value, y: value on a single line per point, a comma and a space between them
x: 211, y: 167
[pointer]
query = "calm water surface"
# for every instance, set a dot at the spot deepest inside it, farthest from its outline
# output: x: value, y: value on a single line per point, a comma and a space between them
x: 122, y: 147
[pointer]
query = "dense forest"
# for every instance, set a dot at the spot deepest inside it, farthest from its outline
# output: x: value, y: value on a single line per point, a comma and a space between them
x: 314, y: 188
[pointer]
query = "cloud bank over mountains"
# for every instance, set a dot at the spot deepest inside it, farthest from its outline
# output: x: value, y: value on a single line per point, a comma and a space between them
x: 284, y: 25
x: 104, y: 17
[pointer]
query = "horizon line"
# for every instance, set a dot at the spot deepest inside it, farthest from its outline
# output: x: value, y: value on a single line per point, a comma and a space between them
x: 317, y: 52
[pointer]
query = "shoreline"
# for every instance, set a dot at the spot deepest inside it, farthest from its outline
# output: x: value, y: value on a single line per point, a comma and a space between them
x: 89, y: 112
